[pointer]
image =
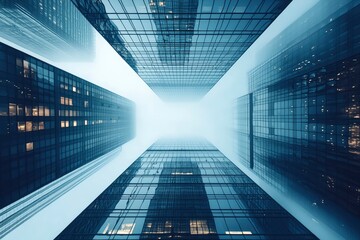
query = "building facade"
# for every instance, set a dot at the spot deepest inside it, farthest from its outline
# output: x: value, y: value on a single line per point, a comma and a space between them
x: 184, y: 189
x: 181, y: 47
x: 52, y: 122
x: 305, y: 111
x: 54, y: 29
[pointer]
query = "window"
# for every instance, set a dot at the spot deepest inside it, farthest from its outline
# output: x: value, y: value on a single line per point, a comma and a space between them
x: 86, y: 122
x: 47, y: 112
x: 21, y: 126
x: 41, y: 126
x: 29, y: 126
x: 35, y: 111
x: 75, y: 123
x: 12, y: 109
x: 86, y: 104
x: 20, y: 110
x: 62, y: 100
x: 27, y: 111
x: 26, y: 69
x: 29, y: 146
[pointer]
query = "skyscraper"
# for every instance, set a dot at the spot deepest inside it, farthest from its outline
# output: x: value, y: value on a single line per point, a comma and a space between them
x: 300, y: 121
x: 184, y: 189
x: 52, y: 122
x: 52, y: 29
x: 181, y: 48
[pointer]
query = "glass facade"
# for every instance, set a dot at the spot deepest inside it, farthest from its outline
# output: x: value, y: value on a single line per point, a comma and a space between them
x: 184, y: 189
x: 52, y: 122
x: 53, y: 29
x: 305, y: 112
x: 181, y: 47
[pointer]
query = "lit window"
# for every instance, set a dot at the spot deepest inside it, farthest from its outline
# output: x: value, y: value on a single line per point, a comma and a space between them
x: 41, y: 126
x: 126, y: 228
x: 62, y: 124
x: 75, y: 123
x: 74, y: 89
x: 12, y: 109
x: 66, y: 123
x: 41, y: 111
x: 239, y: 232
x: 47, y: 112
x: 35, y: 111
x: 62, y: 100
x: 162, y: 4
x: 86, y: 122
x: 29, y: 126
x: 70, y: 102
x: 66, y: 101
x: 199, y: 227
x: 21, y: 126
x: 26, y: 69
x: 86, y: 104
x: 29, y: 146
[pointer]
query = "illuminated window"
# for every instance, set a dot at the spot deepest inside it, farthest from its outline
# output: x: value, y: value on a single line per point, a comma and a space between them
x: 70, y: 102
x: 29, y: 126
x: 41, y: 111
x: 12, y: 109
x: 62, y: 100
x: 75, y: 123
x: 26, y: 69
x: 47, y: 112
x: 41, y: 126
x: 74, y: 89
x: 86, y: 104
x: 21, y: 126
x: 161, y: 4
x: 66, y: 123
x: 126, y: 228
x: 85, y: 122
x: 35, y: 111
x: 29, y: 146
x: 199, y: 227
x: 239, y: 232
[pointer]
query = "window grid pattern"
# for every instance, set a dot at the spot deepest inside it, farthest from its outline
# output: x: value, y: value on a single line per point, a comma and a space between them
x: 46, y: 130
x: 181, y: 45
x: 50, y: 28
x: 306, y: 115
x: 178, y: 190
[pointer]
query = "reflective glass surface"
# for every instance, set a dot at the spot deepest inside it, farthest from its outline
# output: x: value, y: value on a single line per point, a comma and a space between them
x: 184, y: 190
x: 52, y: 122
x: 181, y: 47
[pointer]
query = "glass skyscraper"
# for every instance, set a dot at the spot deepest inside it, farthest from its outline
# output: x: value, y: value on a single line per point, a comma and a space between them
x: 184, y: 189
x: 300, y: 121
x: 52, y: 122
x: 53, y: 29
x: 181, y: 48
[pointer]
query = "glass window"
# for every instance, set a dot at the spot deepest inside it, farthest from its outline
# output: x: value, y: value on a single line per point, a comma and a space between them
x: 29, y: 146
x: 35, y: 111
x: 12, y: 109
x: 29, y: 126
x: 21, y: 126
x: 41, y: 126
x: 27, y: 111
